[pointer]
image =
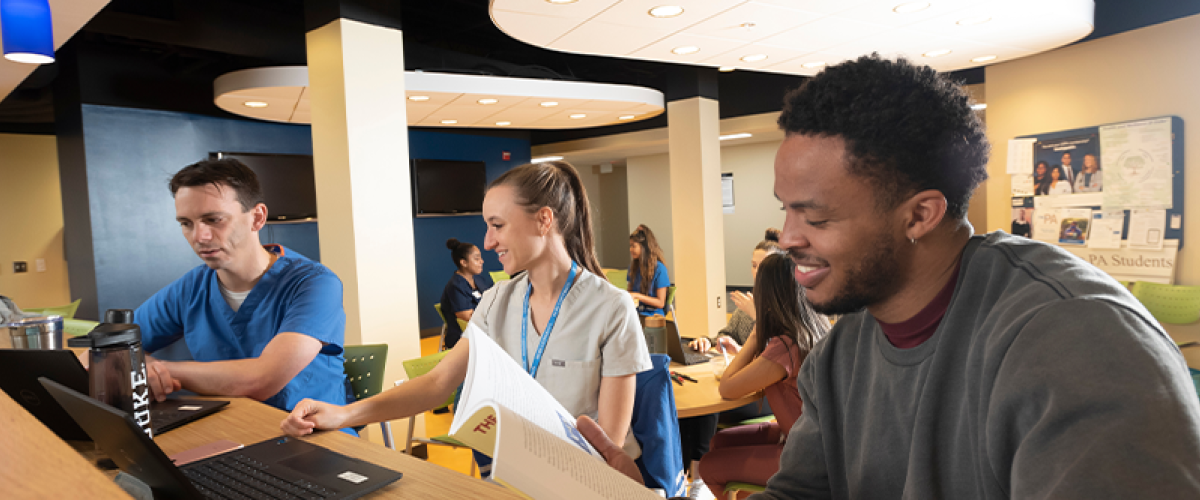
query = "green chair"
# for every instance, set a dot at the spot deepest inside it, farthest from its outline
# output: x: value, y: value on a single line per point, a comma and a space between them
x: 78, y: 327
x: 750, y: 421
x: 462, y: 326
x: 1170, y: 304
x: 67, y: 311
x: 618, y: 278
x: 364, y: 369
x: 671, y: 306
x: 415, y: 368
x: 498, y: 276
x: 732, y: 489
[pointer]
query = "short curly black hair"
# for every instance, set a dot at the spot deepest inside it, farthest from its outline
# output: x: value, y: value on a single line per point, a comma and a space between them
x: 907, y: 129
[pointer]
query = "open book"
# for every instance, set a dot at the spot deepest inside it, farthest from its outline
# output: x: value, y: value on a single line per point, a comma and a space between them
x: 535, y: 448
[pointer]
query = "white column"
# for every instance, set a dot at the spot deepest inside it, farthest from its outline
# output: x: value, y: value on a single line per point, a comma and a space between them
x: 696, y: 218
x: 360, y: 149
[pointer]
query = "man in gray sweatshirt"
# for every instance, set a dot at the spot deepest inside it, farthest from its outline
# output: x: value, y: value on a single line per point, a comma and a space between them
x: 965, y: 367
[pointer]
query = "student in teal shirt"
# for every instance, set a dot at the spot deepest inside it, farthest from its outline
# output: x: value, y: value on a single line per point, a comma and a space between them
x: 646, y: 259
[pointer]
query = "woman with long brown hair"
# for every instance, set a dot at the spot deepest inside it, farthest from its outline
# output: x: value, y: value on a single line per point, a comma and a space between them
x: 587, y: 330
x: 785, y: 331
x: 646, y: 259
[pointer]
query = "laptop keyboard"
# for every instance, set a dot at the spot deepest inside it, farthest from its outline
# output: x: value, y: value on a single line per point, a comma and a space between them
x: 690, y: 354
x: 238, y: 477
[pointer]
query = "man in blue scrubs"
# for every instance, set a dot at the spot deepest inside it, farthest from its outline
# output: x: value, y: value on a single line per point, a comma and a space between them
x: 262, y: 322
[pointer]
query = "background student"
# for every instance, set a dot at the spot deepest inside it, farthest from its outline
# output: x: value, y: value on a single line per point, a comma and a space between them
x: 1041, y: 178
x: 581, y: 339
x: 646, y: 259
x: 786, y: 330
x: 1058, y: 182
x: 465, y: 288
x: 1090, y: 179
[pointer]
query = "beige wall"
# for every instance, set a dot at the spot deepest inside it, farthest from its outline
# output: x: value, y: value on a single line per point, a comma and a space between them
x: 614, y: 219
x: 649, y: 179
x: 755, y: 206
x: 1139, y: 74
x: 590, y: 176
x: 31, y: 224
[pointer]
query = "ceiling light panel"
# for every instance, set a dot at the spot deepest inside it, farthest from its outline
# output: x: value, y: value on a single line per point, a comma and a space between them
x: 840, y: 27
x: 735, y: 57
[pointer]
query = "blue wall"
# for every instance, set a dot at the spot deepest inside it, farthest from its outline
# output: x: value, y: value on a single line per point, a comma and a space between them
x: 434, y: 265
x: 131, y: 155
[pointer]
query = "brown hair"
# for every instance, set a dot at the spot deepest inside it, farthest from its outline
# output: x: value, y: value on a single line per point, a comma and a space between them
x: 652, y: 254
x: 556, y: 185
x: 783, y: 310
x: 770, y: 242
x: 221, y: 173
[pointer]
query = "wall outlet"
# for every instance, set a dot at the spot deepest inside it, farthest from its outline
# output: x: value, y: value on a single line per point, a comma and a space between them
x: 20, y: 267
x: 40, y: 264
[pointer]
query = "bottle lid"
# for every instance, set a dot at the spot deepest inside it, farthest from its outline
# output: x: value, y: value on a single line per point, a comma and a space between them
x: 109, y: 335
x: 34, y: 320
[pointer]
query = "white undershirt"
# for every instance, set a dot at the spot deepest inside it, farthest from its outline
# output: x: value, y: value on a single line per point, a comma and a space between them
x: 234, y: 299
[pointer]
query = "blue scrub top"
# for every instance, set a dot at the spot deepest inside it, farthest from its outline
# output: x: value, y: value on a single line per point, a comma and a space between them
x: 458, y: 296
x: 295, y: 295
x: 661, y: 280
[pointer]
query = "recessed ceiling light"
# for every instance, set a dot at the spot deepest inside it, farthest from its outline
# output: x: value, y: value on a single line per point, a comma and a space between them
x: 577, y: 116
x: 984, y: 59
x: 418, y: 98
x: 254, y: 104
x: 909, y: 7
x: 937, y: 53
x: 666, y: 11
x: 734, y: 136
x: 980, y: 106
x: 548, y: 104
x: 754, y: 57
x: 488, y: 101
x: 28, y: 57
x: 726, y: 69
x: 971, y: 21
x: 503, y: 124
x: 626, y: 117
x: 814, y: 64
x: 560, y: 2
x: 545, y: 158
x: 449, y: 122
x: 685, y: 50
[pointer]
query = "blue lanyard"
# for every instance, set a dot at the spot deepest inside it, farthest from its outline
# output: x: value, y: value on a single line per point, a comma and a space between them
x: 537, y: 357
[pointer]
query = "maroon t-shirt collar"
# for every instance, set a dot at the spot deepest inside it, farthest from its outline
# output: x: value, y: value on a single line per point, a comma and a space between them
x: 916, y: 330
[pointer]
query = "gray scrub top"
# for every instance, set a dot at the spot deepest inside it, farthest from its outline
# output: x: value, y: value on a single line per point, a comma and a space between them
x: 596, y: 335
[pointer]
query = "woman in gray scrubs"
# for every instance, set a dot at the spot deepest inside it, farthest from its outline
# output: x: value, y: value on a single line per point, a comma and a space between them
x: 561, y: 320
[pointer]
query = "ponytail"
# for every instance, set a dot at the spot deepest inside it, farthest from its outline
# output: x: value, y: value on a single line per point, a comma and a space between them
x: 557, y: 186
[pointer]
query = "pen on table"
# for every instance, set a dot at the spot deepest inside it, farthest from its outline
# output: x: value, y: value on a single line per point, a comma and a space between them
x: 675, y: 378
x: 685, y: 377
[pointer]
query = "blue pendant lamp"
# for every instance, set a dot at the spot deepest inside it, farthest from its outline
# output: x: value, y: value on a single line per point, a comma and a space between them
x: 28, y: 33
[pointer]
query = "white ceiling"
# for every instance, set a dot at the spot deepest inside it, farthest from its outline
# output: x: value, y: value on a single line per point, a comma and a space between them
x: 795, y: 33
x: 69, y: 16
x: 449, y: 97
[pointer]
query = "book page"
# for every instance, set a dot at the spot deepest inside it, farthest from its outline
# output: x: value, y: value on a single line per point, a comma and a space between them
x: 493, y: 375
x: 538, y: 464
x: 480, y: 431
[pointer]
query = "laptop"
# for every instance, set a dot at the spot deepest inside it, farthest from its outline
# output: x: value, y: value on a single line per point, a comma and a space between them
x: 280, y: 467
x: 19, y: 372
x: 678, y: 350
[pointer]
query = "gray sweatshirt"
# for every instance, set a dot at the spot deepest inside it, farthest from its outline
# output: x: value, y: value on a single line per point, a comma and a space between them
x: 1045, y: 379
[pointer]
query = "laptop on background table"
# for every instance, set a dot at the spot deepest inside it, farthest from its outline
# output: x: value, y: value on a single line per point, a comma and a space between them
x: 678, y: 350
x: 280, y: 467
x: 19, y: 372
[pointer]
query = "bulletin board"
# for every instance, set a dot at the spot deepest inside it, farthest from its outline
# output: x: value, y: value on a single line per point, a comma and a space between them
x: 1132, y: 170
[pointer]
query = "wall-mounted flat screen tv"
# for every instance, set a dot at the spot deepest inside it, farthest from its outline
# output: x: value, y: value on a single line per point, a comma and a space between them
x: 447, y: 187
x: 289, y: 189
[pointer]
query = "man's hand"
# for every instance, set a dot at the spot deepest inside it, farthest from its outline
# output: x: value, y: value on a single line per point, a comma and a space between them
x: 310, y: 415
x: 701, y: 344
x: 613, y: 454
x: 158, y: 376
x: 744, y: 303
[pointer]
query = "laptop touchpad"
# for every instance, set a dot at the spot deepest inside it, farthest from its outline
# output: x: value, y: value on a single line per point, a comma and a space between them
x: 320, y: 463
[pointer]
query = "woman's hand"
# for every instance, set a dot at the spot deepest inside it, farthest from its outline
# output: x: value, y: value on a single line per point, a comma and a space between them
x: 731, y: 346
x: 310, y: 415
x: 744, y: 303
x: 701, y: 344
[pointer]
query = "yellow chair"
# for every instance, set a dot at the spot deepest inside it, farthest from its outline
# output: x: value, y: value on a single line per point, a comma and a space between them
x: 618, y: 278
x: 1170, y: 304
x: 462, y: 325
x: 498, y: 276
x: 415, y: 368
x: 732, y: 489
x: 364, y: 369
x: 67, y: 311
x: 78, y: 327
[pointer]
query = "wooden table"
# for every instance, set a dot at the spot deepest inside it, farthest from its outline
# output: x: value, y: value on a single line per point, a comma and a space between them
x: 702, y: 397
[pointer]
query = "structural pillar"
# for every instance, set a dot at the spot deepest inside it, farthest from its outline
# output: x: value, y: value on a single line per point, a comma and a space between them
x: 693, y: 129
x: 360, y: 153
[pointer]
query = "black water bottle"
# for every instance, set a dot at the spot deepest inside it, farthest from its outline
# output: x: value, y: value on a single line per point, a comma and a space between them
x: 117, y: 365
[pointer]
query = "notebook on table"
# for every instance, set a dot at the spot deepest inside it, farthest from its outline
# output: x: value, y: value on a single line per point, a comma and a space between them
x: 282, y: 467
x: 21, y: 368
